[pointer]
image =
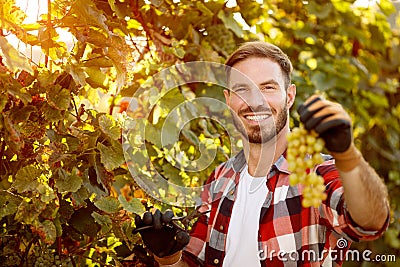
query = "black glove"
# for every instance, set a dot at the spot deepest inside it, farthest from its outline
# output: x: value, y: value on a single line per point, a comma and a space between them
x: 160, y: 234
x: 329, y: 120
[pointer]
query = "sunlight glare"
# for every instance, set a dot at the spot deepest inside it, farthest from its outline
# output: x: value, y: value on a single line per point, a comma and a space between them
x: 34, y: 9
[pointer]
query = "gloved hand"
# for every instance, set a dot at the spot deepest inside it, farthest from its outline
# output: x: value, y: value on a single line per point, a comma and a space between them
x: 161, y: 236
x: 333, y: 124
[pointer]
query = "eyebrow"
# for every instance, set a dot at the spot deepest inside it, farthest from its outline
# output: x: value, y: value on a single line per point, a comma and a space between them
x: 270, y: 81
x: 240, y: 85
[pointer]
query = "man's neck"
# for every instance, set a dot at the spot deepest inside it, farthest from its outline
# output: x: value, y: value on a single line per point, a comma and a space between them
x: 260, y: 157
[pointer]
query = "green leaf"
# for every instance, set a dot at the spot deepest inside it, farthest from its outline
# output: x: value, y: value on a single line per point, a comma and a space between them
x: 387, y: 7
x: 204, y: 9
x: 77, y: 73
x: 81, y: 195
x: 89, y: 14
x: 46, y: 230
x: 14, y: 88
x: 376, y: 99
x: 104, y: 220
x: 82, y: 221
x: 134, y: 206
x: 13, y: 60
x: 95, y: 77
x: 109, y: 126
x: 179, y: 52
x: 101, y: 62
x: 112, y: 157
x: 65, y: 210
x: 92, y: 185
x: 51, y: 210
x: 342, y: 6
x: 230, y: 23
x: 46, y: 78
x: 52, y: 114
x: 108, y: 204
x: 134, y: 24
x: 3, y: 101
x: 26, y: 179
x: 321, y: 11
x: 28, y: 212
x: 322, y: 81
x: 59, y: 98
x: 172, y: 174
x: 23, y: 114
x: 191, y: 137
x: 9, y: 203
x: 68, y: 182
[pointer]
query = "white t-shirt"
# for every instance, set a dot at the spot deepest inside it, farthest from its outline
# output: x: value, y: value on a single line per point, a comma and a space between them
x: 242, y: 241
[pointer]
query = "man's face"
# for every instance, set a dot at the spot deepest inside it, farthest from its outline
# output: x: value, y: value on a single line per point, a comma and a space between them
x: 258, y: 99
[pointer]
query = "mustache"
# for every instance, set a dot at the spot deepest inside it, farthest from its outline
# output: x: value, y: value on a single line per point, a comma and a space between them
x: 260, y: 109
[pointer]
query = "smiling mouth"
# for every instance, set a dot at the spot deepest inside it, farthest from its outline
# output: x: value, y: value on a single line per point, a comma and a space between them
x: 257, y: 117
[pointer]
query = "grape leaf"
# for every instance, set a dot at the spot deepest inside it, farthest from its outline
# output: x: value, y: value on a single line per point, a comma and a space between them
x: 107, y: 204
x: 92, y: 185
x: 80, y: 195
x: 23, y: 114
x: 68, y: 182
x: 82, y: 221
x: 103, y: 220
x: 26, y: 179
x: 134, y: 205
x: 109, y: 126
x: 46, y: 230
x: 28, y: 212
x: 13, y: 60
x: 59, y: 98
x: 52, y: 114
x: 3, y: 101
x: 8, y: 203
x: 111, y: 156
x: 46, y: 78
x: 230, y: 23
x: 387, y: 7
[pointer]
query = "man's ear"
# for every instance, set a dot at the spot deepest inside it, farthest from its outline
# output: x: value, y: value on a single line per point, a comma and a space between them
x: 227, y: 96
x: 291, y: 95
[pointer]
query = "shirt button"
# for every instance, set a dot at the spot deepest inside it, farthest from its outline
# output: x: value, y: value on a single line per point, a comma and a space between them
x: 216, y: 261
x: 221, y: 227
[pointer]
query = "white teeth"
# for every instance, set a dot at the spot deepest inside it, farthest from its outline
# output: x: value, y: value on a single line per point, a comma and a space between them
x: 257, y: 117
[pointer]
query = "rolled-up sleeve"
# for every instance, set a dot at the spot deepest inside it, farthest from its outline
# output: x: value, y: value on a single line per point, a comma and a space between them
x: 333, y: 211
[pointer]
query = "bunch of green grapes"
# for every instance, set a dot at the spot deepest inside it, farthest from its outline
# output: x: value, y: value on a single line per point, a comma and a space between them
x: 45, y: 258
x: 303, y: 153
x: 9, y: 252
x: 12, y: 260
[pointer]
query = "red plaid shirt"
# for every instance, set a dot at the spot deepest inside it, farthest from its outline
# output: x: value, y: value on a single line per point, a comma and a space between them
x: 289, y: 235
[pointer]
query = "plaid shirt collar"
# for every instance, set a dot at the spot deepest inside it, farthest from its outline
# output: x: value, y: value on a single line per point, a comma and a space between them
x: 280, y: 164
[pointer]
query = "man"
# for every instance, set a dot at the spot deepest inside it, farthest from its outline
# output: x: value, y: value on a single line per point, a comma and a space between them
x: 256, y: 217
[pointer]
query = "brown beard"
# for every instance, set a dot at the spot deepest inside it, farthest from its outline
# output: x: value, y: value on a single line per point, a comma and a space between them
x: 257, y: 135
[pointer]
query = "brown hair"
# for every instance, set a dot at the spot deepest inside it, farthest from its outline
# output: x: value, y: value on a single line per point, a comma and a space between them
x: 262, y: 50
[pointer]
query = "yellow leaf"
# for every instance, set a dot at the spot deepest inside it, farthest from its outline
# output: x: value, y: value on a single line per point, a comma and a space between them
x: 13, y: 59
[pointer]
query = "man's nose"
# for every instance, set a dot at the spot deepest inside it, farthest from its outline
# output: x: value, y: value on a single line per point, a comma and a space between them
x: 255, y: 98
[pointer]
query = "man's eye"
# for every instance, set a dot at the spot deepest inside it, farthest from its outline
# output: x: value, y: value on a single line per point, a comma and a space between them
x: 268, y: 87
x: 240, y: 90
